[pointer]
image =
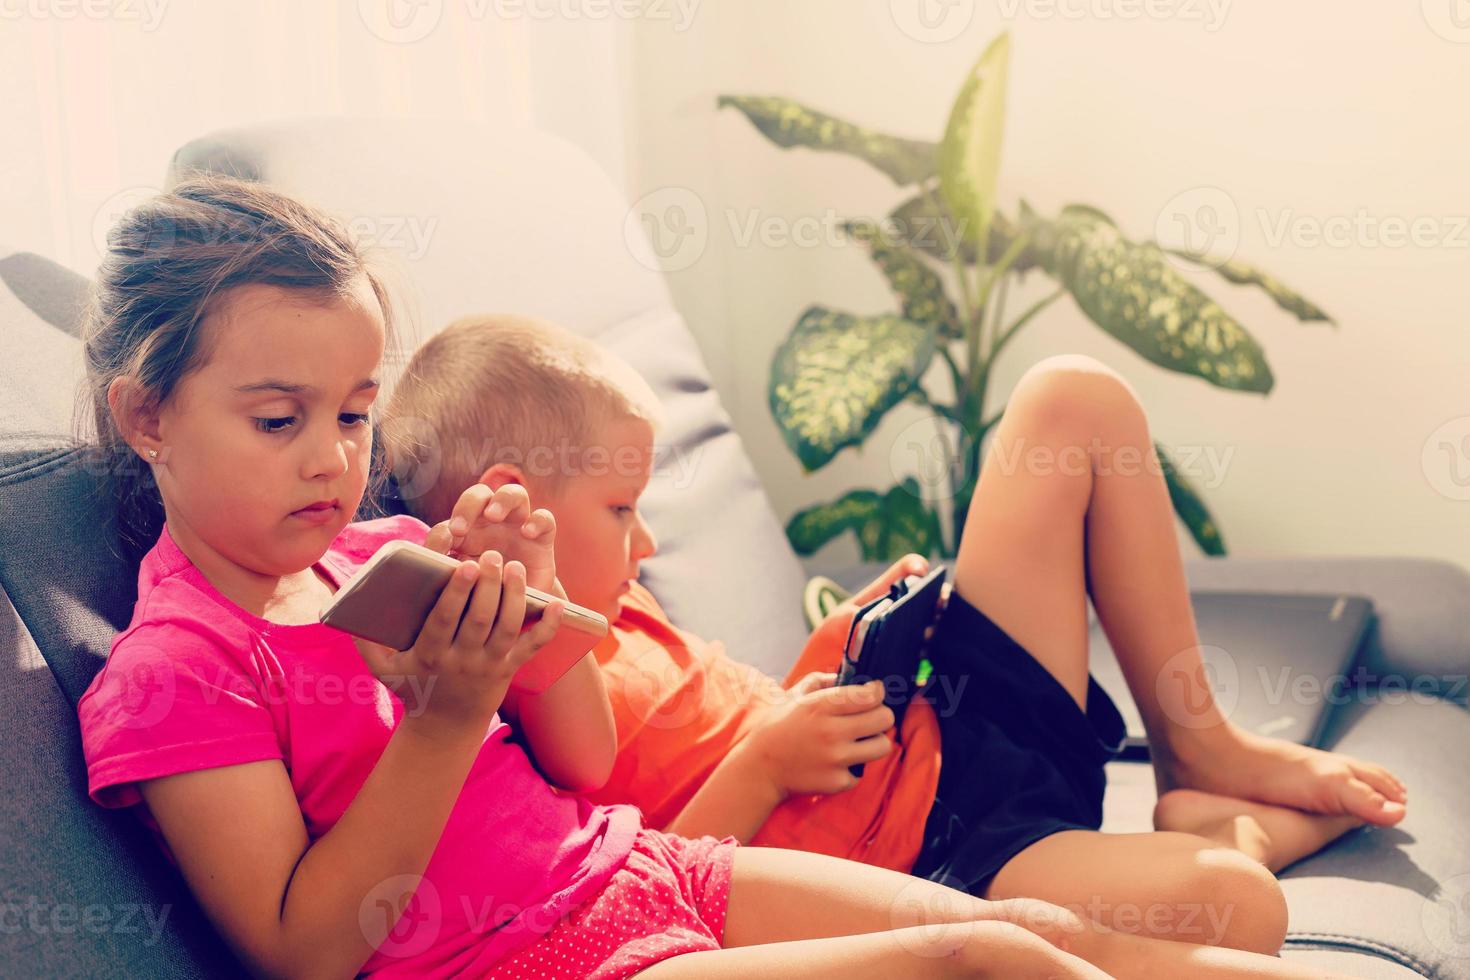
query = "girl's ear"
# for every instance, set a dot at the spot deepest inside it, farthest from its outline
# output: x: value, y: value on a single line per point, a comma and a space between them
x: 136, y: 417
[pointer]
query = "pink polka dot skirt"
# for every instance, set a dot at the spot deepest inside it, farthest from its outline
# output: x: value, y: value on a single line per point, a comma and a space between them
x: 669, y: 898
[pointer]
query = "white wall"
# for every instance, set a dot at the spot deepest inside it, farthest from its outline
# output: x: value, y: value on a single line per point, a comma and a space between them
x: 1310, y: 110
x: 99, y: 93
x: 1306, y: 111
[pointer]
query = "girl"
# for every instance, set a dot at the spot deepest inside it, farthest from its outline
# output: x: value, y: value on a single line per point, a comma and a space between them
x: 339, y: 810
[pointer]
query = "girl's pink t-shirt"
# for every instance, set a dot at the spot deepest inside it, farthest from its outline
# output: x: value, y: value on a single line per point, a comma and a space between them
x: 196, y: 682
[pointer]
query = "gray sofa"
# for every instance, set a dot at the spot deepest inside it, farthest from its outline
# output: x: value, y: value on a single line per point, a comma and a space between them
x: 521, y: 221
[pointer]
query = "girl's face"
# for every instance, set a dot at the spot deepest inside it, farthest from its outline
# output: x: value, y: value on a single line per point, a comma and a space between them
x: 265, y: 449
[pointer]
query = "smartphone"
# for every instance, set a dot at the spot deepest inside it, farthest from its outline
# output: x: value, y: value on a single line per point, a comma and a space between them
x: 390, y: 598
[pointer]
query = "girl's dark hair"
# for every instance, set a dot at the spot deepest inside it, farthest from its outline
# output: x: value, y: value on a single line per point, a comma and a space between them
x: 169, y: 263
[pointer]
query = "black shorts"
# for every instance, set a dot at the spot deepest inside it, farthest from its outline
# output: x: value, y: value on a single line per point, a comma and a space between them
x: 1021, y: 761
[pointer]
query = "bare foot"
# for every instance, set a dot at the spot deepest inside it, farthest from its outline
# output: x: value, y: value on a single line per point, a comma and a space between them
x: 1228, y: 761
x: 1274, y: 835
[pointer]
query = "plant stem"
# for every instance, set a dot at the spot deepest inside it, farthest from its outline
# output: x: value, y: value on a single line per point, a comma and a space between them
x: 998, y: 313
x: 955, y: 377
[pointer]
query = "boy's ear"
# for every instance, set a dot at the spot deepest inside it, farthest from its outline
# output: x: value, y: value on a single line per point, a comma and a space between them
x: 136, y: 417
x: 500, y: 474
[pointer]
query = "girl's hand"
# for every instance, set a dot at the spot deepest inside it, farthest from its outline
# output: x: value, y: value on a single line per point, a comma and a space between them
x: 501, y: 520
x: 458, y: 670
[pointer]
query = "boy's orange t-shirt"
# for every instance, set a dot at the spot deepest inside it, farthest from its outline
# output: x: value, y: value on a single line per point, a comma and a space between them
x: 682, y: 704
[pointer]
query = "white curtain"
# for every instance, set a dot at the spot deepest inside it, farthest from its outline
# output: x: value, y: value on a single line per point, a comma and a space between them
x: 98, y: 96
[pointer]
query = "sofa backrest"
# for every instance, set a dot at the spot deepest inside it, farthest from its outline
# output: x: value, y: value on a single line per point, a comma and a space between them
x: 83, y: 890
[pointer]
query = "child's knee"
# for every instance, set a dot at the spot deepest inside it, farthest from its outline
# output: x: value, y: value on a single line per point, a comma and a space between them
x: 1001, y: 949
x: 1074, y: 390
x: 1234, y: 901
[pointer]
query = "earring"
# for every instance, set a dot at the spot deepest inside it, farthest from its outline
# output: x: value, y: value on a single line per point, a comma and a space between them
x: 153, y: 455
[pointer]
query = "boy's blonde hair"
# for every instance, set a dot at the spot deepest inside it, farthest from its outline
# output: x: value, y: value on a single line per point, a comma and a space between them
x: 509, y: 389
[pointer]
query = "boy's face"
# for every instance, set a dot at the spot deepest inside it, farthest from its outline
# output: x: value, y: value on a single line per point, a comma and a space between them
x: 600, y: 536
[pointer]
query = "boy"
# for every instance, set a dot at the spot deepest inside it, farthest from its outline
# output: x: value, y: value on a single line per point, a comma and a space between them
x: 1002, y: 795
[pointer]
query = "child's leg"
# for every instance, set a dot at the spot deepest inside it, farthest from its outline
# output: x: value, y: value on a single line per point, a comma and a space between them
x: 1164, y: 885
x: 1065, y: 506
x: 1276, y: 836
x: 794, y: 913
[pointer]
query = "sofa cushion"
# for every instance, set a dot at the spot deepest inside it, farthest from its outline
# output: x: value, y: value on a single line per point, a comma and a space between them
x: 83, y: 891
x: 40, y: 356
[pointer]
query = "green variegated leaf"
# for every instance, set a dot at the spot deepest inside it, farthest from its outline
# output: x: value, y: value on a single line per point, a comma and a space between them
x: 813, y: 527
x: 926, y: 225
x: 1132, y: 292
x: 1087, y: 211
x: 919, y: 289
x: 969, y: 154
x: 1190, y: 507
x: 788, y: 123
x: 887, y: 527
x: 837, y: 374
x: 1243, y: 274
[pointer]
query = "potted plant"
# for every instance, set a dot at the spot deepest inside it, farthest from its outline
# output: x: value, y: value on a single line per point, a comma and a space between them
x: 839, y: 373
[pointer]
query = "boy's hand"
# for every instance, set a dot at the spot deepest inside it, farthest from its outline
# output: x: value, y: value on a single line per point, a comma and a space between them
x: 501, y: 520
x: 831, y: 632
x: 806, y: 742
